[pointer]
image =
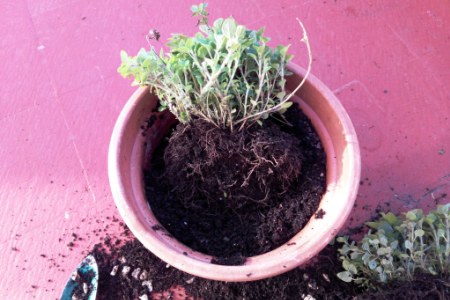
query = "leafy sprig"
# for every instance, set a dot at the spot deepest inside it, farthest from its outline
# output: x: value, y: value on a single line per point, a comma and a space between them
x: 225, y: 74
x: 398, y: 248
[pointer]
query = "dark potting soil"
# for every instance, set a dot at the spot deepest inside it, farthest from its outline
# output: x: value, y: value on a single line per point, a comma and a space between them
x: 147, y: 275
x: 240, y: 194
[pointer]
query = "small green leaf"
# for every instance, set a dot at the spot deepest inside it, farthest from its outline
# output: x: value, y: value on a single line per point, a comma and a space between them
x: 123, y: 55
x: 352, y: 269
x: 373, y: 225
x: 380, y: 251
x: 372, y: 264
x: 411, y: 215
x: 432, y: 271
x: 374, y: 241
x: 383, y: 277
x: 394, y: 245
x: 281, y: 96
x: 365, y: 258
x: 287, y: 104
x: 342, y: 239
x: 408, y: 244
x: 419, y: 233
x: 345, y: 276
x: 365, y: 246
x: 229, y: 27
x: 390, y: 218
x: 430, y: 218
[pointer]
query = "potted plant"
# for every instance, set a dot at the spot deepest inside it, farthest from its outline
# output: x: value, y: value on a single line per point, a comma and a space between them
x: 232, y: 154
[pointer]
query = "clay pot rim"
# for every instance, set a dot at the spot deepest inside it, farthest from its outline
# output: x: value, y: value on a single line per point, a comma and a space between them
x: 302, y: 247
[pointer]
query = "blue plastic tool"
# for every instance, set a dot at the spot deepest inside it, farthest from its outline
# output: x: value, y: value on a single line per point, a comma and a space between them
x: 87, y: 269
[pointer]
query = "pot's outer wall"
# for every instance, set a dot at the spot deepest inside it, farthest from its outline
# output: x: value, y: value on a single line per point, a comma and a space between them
x: 338, y: 136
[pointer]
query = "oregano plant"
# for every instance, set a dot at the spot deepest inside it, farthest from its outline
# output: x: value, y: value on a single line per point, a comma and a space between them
x: 225, y: 74
x: 399, y: 247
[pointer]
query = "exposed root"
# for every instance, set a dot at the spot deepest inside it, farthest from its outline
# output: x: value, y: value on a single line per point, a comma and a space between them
x: 231, y: 168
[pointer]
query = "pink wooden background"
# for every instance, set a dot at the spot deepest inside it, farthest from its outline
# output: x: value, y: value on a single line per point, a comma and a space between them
x: 388, y: 62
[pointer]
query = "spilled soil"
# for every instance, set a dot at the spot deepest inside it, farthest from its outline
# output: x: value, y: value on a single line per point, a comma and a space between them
x: 129, y: 271
x: 237, y: 194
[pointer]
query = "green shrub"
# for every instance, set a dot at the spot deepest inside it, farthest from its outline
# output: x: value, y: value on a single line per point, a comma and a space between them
x: 398, y: 248
x: 225, y: 74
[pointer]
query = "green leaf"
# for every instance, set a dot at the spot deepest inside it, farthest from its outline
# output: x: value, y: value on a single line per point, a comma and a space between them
x: 218, y: 23
x: 365, y: 258
x: 365, y: 246
x: 390, y: 218
x: 229, y: 27
x: 411, y: 215
x: 432, y: 271
x: 383, y: 241
x: 354, y: 255
x: 123, y: 55
x: 380, y: 251
x: 408, y: 245
x: 374, y: 241
x: 372, y: 264
x: 281, y: 96
x: 345, y: 276
x: 383, y: 277
x: 430, y: 218
x: 419, y: 233
x: 394, y: 245
x: 373, y: 225
x: 342, y: 239
x: 240, y: 32
x: 352, y: 269
x: 204, y: 28
x: 444, y: 209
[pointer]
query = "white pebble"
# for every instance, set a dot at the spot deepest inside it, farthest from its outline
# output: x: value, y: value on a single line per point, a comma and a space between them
x: 114, y: 270
x: 74, y: 276
x: 125, y: 270
x: 148, y: 284
x: 191, y: 280
x: 309, y: 297
x: 143, y: 275
x: 85, y: 288
x: 135, y: 273
x: 143, y: 297
x: 122, y: 259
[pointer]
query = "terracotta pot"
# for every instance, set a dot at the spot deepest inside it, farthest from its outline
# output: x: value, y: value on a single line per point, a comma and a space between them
x: 125, y: 163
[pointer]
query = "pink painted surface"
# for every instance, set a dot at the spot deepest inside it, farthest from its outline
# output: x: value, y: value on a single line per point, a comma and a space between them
x: 387, y: 61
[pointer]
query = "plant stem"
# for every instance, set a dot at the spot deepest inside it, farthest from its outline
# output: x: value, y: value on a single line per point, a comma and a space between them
x: 308, y: 71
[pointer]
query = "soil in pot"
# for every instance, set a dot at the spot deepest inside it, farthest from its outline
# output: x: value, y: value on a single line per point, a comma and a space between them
x: 237, y: 194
